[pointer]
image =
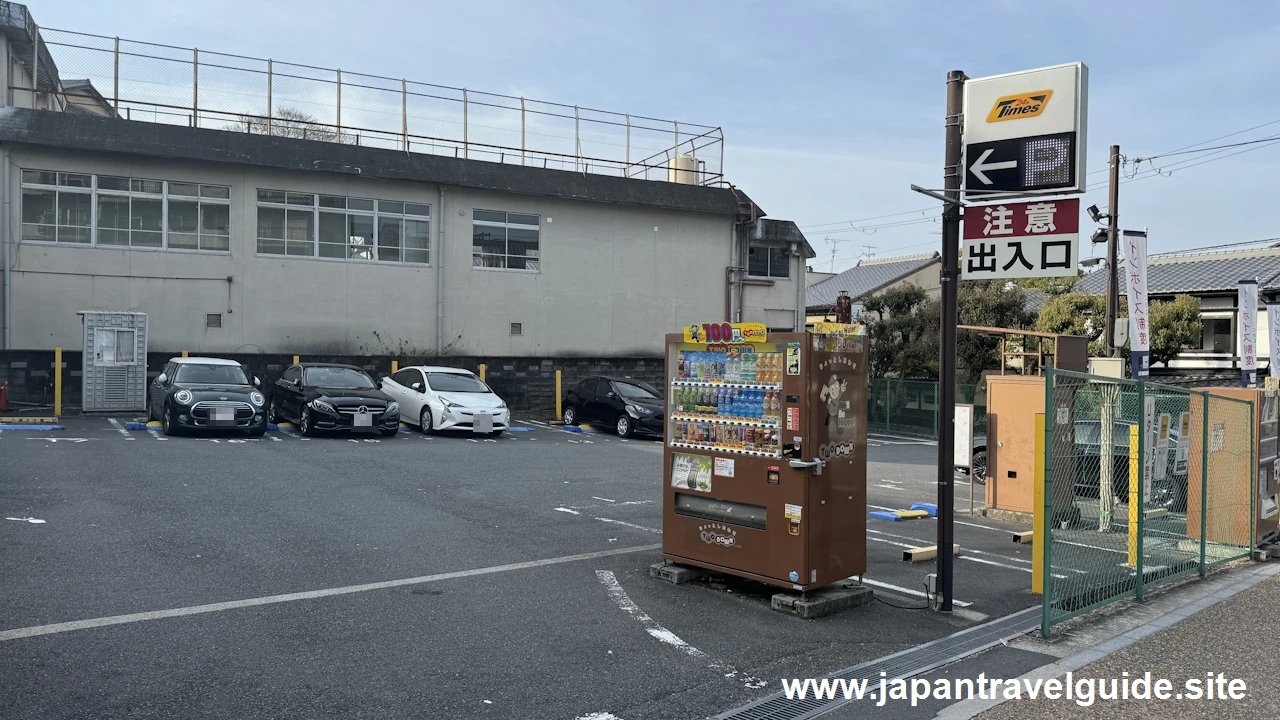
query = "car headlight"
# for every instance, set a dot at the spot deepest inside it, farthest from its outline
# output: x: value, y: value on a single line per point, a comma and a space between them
x: 448, y: 404
x: 319, y: 404
x: 393, y: 408
x: 183, y: 397
x: 257, y: 399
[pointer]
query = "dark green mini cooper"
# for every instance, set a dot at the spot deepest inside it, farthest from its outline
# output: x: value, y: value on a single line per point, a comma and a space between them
x: 206, y: 394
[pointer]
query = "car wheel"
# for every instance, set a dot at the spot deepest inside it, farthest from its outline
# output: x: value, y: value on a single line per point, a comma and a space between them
x: 166, y: 422
x: 390, y: 433
x: 426, y: 422
x: 570, y: 416
x: 304, y: 422
x: 625, y: 427
x: 979, y: 472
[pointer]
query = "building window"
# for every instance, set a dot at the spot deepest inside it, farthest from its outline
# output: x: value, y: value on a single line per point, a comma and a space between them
x: 1216, y: 335
x: 768, y: 262
x: 517, y: 328
x: 343, y: 228
x: 109, y: 211
x: 502, y: 240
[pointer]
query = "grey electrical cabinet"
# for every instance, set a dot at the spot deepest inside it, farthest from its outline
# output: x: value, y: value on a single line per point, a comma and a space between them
x: 115, y: 361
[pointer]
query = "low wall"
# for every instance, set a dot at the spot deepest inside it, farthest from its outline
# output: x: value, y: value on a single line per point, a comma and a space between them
x: 527, y: 384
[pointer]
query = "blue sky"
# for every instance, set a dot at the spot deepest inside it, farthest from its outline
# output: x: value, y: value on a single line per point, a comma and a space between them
x: 830, y: 109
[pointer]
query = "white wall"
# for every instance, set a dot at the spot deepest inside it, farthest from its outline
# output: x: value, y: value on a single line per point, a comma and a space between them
x: 613, y: 279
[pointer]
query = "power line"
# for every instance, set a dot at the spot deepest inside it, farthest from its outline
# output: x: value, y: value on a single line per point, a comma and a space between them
x: 877, y: 217
x: 1208, y: 149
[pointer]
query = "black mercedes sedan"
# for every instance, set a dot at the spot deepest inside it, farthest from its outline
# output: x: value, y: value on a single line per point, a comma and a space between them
x: 329, y: 397
x: 206, y: 393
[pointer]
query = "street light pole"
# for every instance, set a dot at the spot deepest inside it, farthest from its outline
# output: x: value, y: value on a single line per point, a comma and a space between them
x: 950, y: 277
x: 1113, y: 238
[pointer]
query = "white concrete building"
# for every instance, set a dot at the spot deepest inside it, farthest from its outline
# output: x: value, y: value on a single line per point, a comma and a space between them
x: 236, y: 242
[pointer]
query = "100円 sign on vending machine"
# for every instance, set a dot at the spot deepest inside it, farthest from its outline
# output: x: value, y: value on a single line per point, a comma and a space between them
x: 765, y: 460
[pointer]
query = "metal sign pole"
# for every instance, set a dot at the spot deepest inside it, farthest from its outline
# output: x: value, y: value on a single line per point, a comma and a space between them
x: 950, y: 276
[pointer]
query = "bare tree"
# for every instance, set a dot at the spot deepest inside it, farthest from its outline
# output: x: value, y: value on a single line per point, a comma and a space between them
x: 290, y: 123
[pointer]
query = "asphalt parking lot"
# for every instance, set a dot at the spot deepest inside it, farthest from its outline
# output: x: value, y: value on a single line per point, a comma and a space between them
x: 415, y: 576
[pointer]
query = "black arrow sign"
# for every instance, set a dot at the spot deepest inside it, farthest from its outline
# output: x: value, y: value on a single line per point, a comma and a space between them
x: 1043, y: 162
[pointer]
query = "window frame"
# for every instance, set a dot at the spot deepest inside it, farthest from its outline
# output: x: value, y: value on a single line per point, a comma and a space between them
x: 506, y: 225
x: 95, y: 192
x: 346, y: 212
x: 769, y: 269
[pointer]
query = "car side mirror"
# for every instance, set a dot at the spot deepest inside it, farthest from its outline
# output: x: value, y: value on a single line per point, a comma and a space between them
x: 612, y: 394
x: 297, y: 382
x: 256, y: 381
x: 162, y: 378
x: 417, y: 386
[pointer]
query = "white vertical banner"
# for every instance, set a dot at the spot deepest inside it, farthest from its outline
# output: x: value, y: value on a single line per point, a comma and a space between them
x: 1248, y: 333
x: 1134, y: 244
x: 1149, y: 431
x: 1273, y: 334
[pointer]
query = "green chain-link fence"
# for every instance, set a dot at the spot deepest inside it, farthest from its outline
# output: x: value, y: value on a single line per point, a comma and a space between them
x: 910, y: 407
x: 1116, y: 525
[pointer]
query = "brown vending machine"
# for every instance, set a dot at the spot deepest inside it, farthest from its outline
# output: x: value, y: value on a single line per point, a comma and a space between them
x: 765, y: 466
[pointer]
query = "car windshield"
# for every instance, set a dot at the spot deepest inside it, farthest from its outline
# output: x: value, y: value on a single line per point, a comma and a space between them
x: 338, y: 377
x: 456, y: 382
x: 210, y: 374
x: 636, y: 391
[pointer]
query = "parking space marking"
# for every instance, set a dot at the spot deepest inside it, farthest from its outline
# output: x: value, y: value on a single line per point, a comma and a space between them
x: 593, y: 497
x: 962, y: 556
x: 630, y: 525
x: 908, y: 591
x: 55, y: 628
x: 663, y: 635
x: 119, y: 428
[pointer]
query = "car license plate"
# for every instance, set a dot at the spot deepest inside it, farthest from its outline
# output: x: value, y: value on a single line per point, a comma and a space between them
x: 363, y: 420
x: 222, y: 416
x: 482, y: 423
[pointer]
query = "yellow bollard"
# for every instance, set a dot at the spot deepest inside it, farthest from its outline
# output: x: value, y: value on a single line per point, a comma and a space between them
x: 559, y: 409
x: 57, y: 382
x: 184, y: 353
x: 482, y: 372
x: 1037, y: 507
x: 395, y: 366
x: 295, y: 359
x: 1135, y: 487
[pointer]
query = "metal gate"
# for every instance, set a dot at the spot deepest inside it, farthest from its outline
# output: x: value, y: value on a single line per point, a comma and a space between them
x: 115, y: 361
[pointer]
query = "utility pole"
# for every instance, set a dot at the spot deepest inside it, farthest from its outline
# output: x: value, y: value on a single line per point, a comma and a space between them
x: 1113, y: 239
x: 950, y: 277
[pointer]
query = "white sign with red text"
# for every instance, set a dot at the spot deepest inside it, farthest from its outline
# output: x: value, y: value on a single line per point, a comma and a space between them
x: 1134, y: 246
x: 1010, y: 241
x: 1248, y: 333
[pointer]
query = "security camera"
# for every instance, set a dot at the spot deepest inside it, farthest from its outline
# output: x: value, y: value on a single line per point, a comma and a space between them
x: 1096, y: 214
x: 1099, y: 236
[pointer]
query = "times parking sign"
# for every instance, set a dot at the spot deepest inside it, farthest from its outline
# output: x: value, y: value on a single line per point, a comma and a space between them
x: 1024, y: 132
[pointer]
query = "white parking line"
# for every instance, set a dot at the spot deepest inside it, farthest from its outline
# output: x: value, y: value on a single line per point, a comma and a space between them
x: 627, y: 524
x: 156, y: 434
x: 663, y: 635
x: 119, y: 428
x: 908, y: 591
x: 36, y: 630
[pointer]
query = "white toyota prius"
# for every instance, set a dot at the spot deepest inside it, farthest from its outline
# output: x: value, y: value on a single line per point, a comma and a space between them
x: 446, y: 398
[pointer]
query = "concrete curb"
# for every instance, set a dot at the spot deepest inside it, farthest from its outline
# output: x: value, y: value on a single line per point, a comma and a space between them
x: 1184, y: 602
